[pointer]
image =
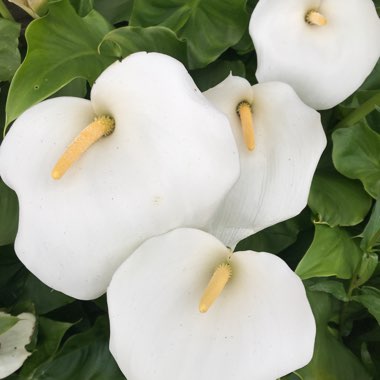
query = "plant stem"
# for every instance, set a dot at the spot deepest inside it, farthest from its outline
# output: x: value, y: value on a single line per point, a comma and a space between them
x: 4, y: 12
x: 351, y: 288
x: 360, y: 112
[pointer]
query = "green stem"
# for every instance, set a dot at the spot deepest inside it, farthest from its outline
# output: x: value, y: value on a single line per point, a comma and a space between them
x: 352, y: 287
x: 360, y: 112
x: 4, y: 12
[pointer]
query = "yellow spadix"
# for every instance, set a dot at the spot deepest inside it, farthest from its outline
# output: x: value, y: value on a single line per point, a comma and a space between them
x: 102, y: 126
x: 244, y: 110
x: 218, y: 281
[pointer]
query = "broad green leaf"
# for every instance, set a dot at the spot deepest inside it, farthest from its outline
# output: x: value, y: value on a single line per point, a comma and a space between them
x: 50, y: 334
x: 8, y: 214
x: 61, y: 47
x: 82, y: 7
x: 356, y: 155
x: 124, y: 41
x: 273, y: 239
x: 368, y: 266
x: 332, y: 253
x: 12, y: 277
x: 114, y: 10
x: 332, y: 287
x: 369, y: 297
x: 77, y: 87
x: 84, y: 356
x: 338, y: 201
x: 293, y: 254
x: 245, y: 45
x: 101, y: 303
x: 43, y: 297
x: 216, y: 72
x: 371, y: 233
x: 373, y: 80
x: 291, y: 376
x: 9, y: 53
x: 370, y: 354
x: 4, y: 86
x: 331, y: 360
x: 6, y: 322
x: 209, y: 27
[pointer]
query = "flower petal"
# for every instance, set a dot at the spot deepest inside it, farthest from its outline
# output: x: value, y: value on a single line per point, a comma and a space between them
x: 276, y: 176
x: 324, y: 64
x: 261, y: 326
x: 170, y: 161
x: 13, y: 342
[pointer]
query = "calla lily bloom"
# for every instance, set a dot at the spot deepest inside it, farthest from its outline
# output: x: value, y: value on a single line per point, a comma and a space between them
x: 259, y: 326
x: 323, y: 49
x: 35, y: 8
x: 169, y: 160
x: 277, y: 169
x: 13, y: 342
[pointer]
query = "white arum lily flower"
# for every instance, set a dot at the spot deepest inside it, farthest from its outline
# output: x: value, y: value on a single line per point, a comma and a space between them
x: 258, y: 327
x: 323, y: 49
x: 280, y: 141
x: 13, y: 342
x: 169, y: 162
x: 35, y: 8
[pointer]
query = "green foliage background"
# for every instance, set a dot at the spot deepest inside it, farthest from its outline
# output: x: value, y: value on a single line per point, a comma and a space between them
x: 333, y: 244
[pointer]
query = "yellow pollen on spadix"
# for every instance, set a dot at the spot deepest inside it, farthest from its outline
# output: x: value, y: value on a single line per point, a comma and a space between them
x: 218, y: 281
x: 102, y: 126
x: 244, y: 110
x: 313, y: 17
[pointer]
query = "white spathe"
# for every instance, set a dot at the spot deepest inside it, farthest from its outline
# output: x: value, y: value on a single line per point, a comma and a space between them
x: 260, y: 328
x: 276, y: 176
x: 170, y: 161
x: 324, y: 64
x: 13, y: 342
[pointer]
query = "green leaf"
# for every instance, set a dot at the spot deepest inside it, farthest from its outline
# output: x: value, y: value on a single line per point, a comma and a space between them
x: 84, y: 356
x: 332, y: 253
x: 356, y: 155
x: 369, y: 297
x: 331, y: 360
x: 216, y: 72
x: 6, y: 322
x: 82, y: 7
x: 77, y: 88
x: 337, y: 200
x: 273, y: 239
x: 291, y: 376
x: 8, y: 214
x: 43, y: 297
x: 114, y: 10
x: 12, y: 277
x: 50, y: 334
x: 61, y: 47
x: 124, y: 41
x: 332, y: 287
x: 9, y: 53
x: 368, y: 266
x: 209, y: 27
x: 373, y: 80
x: 4, y: 86
x: 371, y: 233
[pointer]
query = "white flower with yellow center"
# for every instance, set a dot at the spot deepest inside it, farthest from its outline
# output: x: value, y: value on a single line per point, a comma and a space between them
x: 280, y: 141
x: 185, y: 307
x: 324, y: 49
x: 168, y: 159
